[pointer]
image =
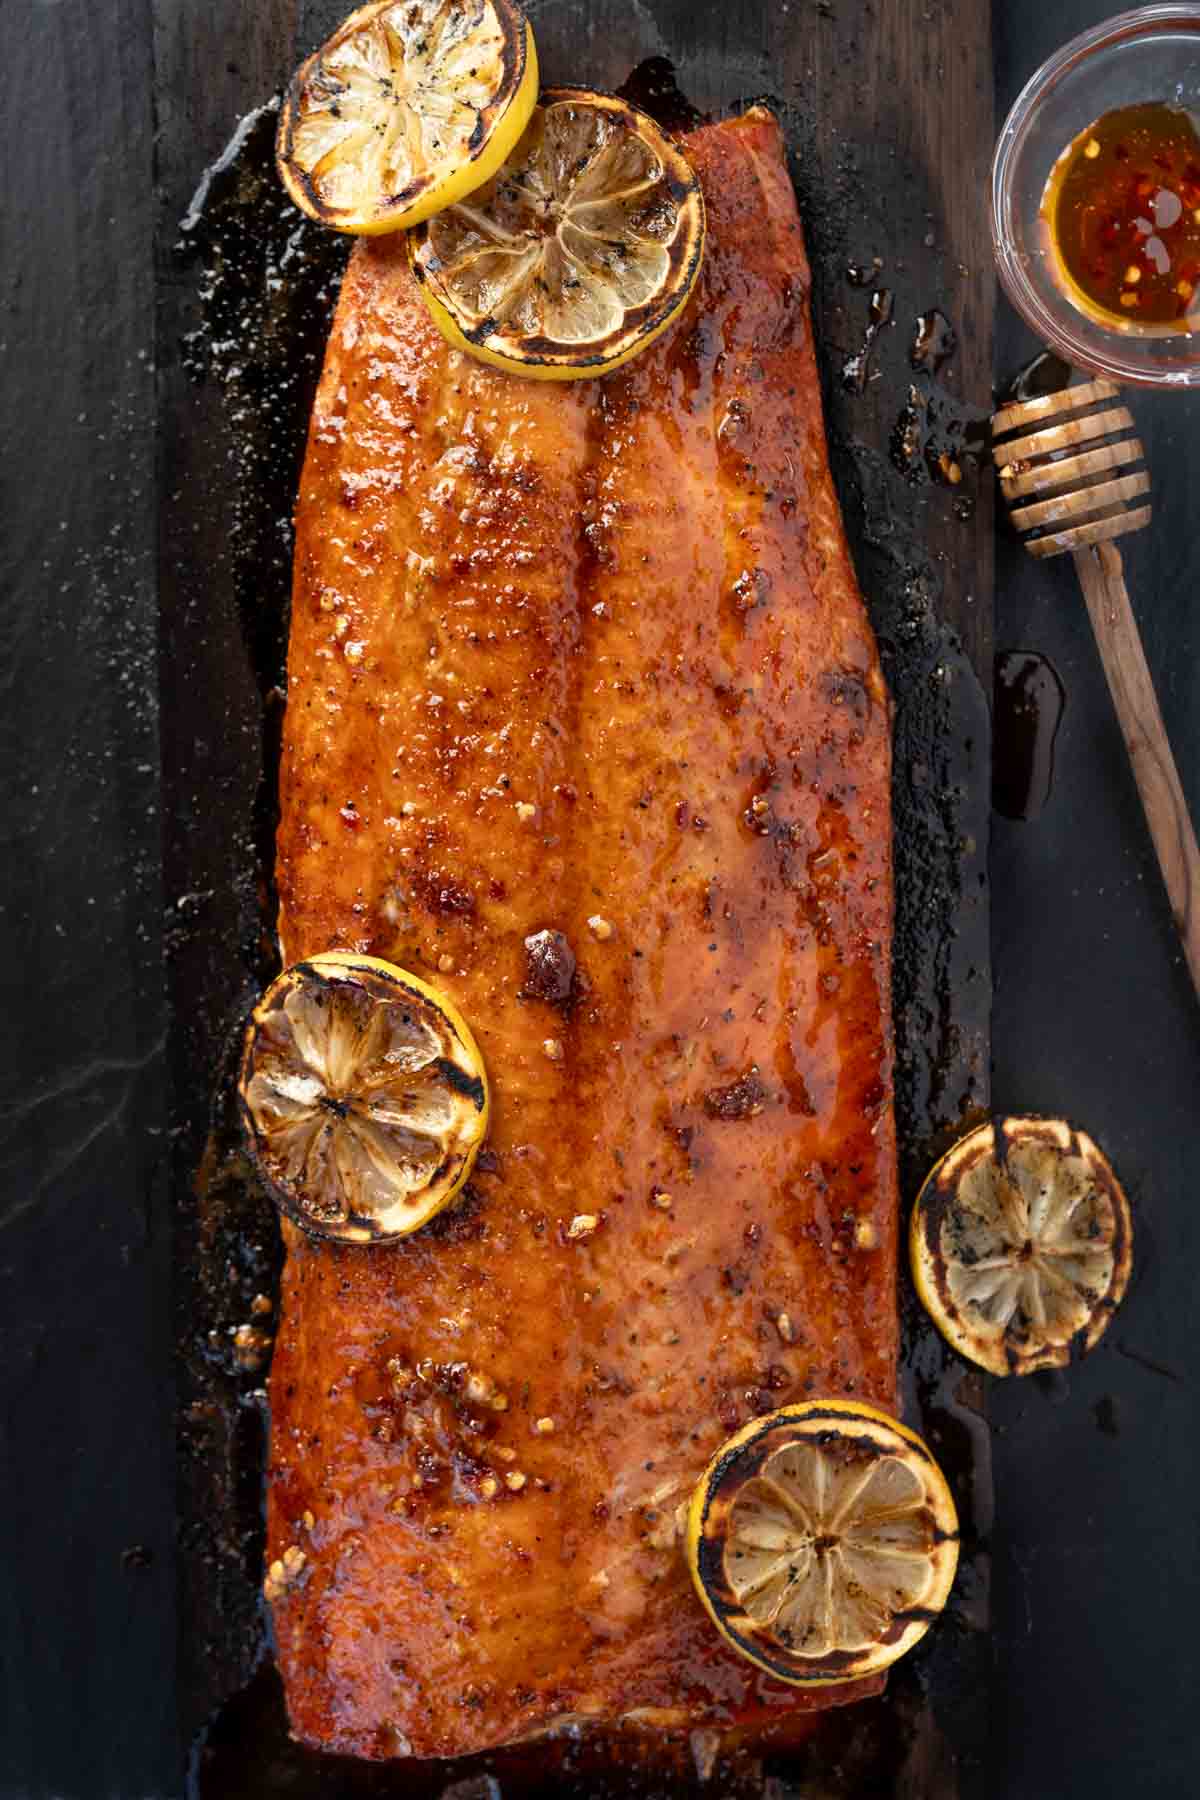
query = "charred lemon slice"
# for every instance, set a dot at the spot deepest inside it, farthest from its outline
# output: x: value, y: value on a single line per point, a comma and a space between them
x: 363, y: 1097
x: 577, y: 254
x: 823, y: 1541
x: 410, y: 105
x: 1021, y: 1244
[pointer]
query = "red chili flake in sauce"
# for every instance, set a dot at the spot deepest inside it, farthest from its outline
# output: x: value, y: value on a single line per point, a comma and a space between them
x: 1123, y: 206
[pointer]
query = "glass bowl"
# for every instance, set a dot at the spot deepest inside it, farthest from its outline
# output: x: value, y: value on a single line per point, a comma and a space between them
x: 1150, y: 54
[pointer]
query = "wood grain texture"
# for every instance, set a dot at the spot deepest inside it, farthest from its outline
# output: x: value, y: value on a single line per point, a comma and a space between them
x: 1102, y: 578
x: 86, y: 1596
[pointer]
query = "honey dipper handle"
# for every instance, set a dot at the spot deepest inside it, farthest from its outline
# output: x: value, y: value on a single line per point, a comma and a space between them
x: 1101, y: 575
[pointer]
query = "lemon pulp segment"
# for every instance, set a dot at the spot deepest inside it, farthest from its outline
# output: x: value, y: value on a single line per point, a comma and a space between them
x: 577, y: 254
x: 363, y: 1097
x: 410, y: 105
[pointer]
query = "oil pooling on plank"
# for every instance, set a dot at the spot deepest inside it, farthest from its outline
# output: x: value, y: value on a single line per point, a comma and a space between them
x: 857, y: 368
x: 1028, y: 709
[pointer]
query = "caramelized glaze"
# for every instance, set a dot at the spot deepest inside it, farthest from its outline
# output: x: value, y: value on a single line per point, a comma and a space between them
x: 589, y: 661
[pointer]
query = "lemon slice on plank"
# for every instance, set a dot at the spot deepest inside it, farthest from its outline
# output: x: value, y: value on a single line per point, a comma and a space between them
x: 1021, y: 1244
x: 363, y: 1097
x: 577, y: 254
x: 410, y: 105
x: 823, y: 1541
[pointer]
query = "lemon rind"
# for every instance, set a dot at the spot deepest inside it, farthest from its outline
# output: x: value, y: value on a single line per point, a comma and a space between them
x: 570, y: 365
x: 442, y: 1194
x: 925, y: 1256
x: 459, y: 181
x: 701, y: 1547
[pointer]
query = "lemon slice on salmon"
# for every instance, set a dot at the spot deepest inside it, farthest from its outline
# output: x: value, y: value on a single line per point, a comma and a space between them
x: 363, y: 1097
x: 1021, y: 1244
x: 577, y: 254
x: 823, y: 1541
x: 410, y: 105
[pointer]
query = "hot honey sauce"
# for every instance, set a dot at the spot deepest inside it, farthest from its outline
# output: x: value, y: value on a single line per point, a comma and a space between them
x: 1122, y: 209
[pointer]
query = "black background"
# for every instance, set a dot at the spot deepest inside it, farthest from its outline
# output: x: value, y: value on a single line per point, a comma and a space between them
x: 1096, y: 1555
x: 1095, y: 1558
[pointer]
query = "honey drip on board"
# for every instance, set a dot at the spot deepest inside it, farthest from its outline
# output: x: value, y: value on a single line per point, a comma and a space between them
x: 1122, y: 206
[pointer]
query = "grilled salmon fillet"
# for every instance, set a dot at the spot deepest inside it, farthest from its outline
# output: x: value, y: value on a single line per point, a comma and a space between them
x: 585, y: 720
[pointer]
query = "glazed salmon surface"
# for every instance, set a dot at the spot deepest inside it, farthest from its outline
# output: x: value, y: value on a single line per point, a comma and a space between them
x: 586, y: 724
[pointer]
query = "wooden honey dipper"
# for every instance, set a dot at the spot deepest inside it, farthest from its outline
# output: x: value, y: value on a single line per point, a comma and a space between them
x: 1069, y: 472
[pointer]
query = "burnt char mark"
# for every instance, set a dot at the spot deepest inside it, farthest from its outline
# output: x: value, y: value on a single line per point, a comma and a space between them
x: 461, y: 1082
x: 479, y: 334
x: 742, y: 1099
x: 549, y: 969
x: 936, y: 1205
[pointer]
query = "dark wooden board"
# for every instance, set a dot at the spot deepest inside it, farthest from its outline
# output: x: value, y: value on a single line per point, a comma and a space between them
x: 1094, y: 1014
x: 888, y: 119
x: 139, y: 742
x: 86, y: 1413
